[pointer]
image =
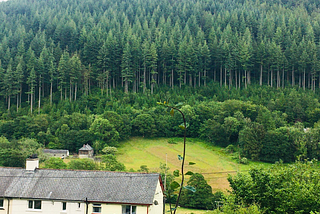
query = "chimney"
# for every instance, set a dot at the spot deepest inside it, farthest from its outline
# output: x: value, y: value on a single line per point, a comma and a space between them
x: 32, y: 162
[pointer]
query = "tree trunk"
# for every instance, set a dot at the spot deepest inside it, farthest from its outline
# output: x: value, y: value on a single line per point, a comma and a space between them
x: 319, y: 80
x: 278, y: 78
x: 299, y: 80
x: 9, y: 103
x: 260, y: 74
x: 17, y: 103
x: 31, y: 99
x: 236, y: 77
x: 144, y: 79
x: 230, y: 79
x: 172, y: 78
x: 239, y: 79
x: 20, y: 94
x: 221, y: 75
x: 225, y: 77
x: 271, y: 78
x: 51, y: 93
x: 39, y: 103
x: 304, y: 79
x: 126, y: 86
x: 75, y: 92
x: 283, y: 78
x: 245, y: 79
x: 61, y: 94
x: 70, y: 91
x: 205, y: 77
x: 292, y: 76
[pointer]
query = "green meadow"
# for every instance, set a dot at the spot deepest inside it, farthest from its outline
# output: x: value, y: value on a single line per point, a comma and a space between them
x: 211, y: 161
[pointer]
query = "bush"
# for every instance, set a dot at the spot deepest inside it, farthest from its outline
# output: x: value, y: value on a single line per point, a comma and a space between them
x: 244, y: 161
x: 230, y: 148
x: 109, y: 150
x: 172, y: 141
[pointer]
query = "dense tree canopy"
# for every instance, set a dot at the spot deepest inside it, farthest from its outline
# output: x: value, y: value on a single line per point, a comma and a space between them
x: 71, y: 46
x: 280, y: 189
x: 73, y: 73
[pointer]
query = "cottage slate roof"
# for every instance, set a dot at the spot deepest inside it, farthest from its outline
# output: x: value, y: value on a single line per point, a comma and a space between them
x: 86, y: 147
x: 73, y: 185
x: 55, y: 151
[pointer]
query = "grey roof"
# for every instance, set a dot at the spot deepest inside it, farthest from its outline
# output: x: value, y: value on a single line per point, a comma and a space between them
x: 86, y: 147
x: 55, y: 151
x: 72, y: 185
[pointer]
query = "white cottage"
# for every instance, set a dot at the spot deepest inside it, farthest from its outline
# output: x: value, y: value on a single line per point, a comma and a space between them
x: 33, y: 190
x: 56, y: 153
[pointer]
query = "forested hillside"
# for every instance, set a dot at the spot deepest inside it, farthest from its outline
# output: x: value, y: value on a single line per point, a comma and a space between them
x: 73, y: 46
x: 245, y: 72
x: 75, y: 72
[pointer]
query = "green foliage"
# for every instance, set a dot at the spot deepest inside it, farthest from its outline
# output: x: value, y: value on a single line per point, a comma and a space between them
x: 198, y: 194
x: 14, y: 154
x: 109, y: 150
x: 172, y: 141
x: 143, y: 168
x: 144, y: 125
x: 120, y: 123
x: 244, y: 161
x: 119, y: 67
x: 279, y: 189
x: 104, y: 131
x: 111, y: 163
x: 82, y: 164
x: 54, y: 163
x: 230, y: 208
x: 251, y: 139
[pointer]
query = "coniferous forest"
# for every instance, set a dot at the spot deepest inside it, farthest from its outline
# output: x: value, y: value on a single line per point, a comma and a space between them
x: 247, y: 72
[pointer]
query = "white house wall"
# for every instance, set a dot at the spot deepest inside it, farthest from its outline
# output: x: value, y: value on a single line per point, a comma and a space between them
x: 20, y: 206
x: 117, y: 209
x: 158, y: 196
x: 5, y: 205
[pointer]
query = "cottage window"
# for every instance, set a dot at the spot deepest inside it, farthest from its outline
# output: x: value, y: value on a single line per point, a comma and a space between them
x: 128, y: 209
x: 96, y: 208
x: 1, y: 203
x: 64, y: 206
x: 34, y: 204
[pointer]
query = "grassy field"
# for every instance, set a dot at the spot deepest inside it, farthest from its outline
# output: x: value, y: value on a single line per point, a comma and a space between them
x: 210, y: 161
x: 182, y: 210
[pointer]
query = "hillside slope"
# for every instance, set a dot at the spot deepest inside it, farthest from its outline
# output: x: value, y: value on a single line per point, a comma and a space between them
x: 211, y: 161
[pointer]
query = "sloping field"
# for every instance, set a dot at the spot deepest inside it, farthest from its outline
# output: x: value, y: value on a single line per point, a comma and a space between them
x: 210, y: 161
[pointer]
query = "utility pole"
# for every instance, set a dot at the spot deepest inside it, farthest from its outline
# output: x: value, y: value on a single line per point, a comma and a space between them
x: 165, y: 174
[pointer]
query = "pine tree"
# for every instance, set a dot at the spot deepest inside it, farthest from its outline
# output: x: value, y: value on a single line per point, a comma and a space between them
x: 31, y: 81
x: 260, y: 56
x: 63, y: 69
x: 19, y: 78
x: 74, y: 73
x: 153, y: 65
x: 126, y: 66
x: 206, y: 61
